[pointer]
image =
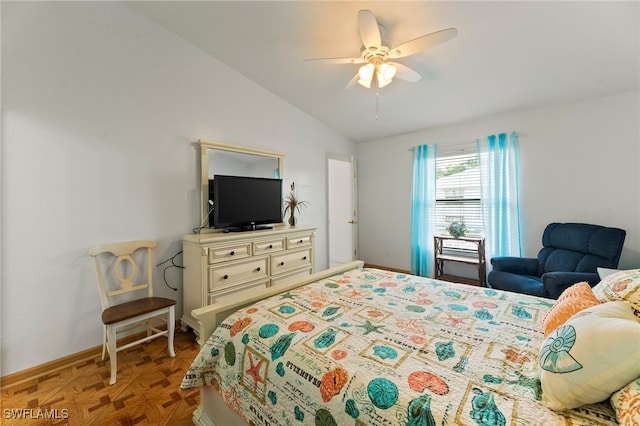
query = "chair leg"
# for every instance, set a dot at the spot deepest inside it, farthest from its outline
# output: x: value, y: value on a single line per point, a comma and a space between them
x: 111, y: 348
x: 170, y: 327
x: 104, y: 342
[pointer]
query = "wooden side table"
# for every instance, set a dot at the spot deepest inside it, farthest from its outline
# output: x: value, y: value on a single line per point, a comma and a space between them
x: 470, y: 251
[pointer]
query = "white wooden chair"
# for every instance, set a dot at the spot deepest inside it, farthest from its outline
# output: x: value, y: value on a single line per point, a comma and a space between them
x: 117, y: 267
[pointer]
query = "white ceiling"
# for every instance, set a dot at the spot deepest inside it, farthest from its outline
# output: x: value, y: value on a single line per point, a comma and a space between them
x: 507, y: 55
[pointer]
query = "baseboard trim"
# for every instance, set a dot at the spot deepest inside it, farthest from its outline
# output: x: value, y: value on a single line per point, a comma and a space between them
x: 50, y: 367
x: 387, y: 268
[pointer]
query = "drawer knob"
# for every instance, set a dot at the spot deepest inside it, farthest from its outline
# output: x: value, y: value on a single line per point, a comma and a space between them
x: 304, y: 258
x: 232, y: 253
x: 226, y: 277
x: 258, y: 269
x: 270, y: 246
x: 281, y: 263
x: 300, y: 242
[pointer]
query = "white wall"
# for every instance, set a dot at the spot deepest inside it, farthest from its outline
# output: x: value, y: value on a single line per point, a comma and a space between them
x: 100, y: 111
x: 579, y: 163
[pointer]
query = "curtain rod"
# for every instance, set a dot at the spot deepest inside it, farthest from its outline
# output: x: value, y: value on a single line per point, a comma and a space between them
x: 452, y: 144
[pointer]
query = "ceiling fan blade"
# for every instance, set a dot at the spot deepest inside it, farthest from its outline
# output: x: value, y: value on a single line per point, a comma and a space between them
x: 422, y: 43
x: 405, y: 73
x: 353, y: 82
x: 337, y: 60
x: 369, y: 31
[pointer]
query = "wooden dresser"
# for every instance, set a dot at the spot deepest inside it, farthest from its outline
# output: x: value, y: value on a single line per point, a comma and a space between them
x: 224, y: 265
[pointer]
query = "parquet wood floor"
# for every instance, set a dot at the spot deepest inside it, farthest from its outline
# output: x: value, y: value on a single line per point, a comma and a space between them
x: 147, y: 390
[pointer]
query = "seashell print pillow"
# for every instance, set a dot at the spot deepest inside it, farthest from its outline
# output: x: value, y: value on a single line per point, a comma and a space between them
x: 626, y: 402
x: 574, y: 299
x: 622, y: 285
x: 594, y: 354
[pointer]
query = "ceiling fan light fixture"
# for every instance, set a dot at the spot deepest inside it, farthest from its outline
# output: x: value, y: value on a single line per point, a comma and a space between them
x: 365, y: 83
x: 366, y: 72
x: 382, y: 82
x: 366, y: 75
x: 387, y: 71
x: 385, y: 74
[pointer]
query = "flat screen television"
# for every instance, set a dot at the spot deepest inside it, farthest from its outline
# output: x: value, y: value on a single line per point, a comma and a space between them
x: 244, y: 203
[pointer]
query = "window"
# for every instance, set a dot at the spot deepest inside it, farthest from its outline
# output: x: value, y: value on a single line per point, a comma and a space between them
x: 447, y: 184
x: 458, y: 190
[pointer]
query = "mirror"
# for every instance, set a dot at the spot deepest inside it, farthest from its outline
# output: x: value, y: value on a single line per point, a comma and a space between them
x: 217, y: 158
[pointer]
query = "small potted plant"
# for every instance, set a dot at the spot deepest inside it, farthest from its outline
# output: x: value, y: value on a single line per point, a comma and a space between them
x: 292, y: 204
x: 457, y: 228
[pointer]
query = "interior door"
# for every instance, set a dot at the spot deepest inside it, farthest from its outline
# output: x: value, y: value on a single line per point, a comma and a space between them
x: 342, y: 214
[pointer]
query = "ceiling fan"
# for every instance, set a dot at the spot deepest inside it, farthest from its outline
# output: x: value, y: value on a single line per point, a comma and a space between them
x: 377, y: 57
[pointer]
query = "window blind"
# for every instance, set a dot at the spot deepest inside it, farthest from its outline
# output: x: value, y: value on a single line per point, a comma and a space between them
x: 458, y: 194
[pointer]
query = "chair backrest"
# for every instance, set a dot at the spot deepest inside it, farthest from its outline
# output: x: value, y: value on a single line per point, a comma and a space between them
x: 118, y: 267
x: 579, y: 247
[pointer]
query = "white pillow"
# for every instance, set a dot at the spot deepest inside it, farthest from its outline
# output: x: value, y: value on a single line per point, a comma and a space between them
x: 603, y: 272
x: 595, y: 353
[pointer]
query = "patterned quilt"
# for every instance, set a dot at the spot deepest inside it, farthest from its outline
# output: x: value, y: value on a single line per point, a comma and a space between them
x: 373, y: 347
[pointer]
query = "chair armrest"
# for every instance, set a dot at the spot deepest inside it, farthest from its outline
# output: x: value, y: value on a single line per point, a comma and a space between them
x: 516, y: 265
x: 557, y: 282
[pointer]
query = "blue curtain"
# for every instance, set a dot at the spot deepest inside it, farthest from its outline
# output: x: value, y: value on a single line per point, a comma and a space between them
x: 423, y: 206
x: 499, y: 189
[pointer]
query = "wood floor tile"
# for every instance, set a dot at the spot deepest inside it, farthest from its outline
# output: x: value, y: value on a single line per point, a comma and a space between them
x: 147, y: 390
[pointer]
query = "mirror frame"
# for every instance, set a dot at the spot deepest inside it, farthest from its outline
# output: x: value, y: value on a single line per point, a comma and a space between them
x: 205, y: 146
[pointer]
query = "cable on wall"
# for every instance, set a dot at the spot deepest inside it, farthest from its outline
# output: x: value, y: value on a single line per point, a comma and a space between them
x: 172, y: 265
x: 205, y: 221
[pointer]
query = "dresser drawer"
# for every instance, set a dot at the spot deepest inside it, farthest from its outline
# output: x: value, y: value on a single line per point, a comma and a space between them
x: 299, y: 241
x: 265, y: 247
x: 237, y: 272
x: 235, y: 291
x: 289, y: 276
x: 232, y: 252
x: 288, y: 261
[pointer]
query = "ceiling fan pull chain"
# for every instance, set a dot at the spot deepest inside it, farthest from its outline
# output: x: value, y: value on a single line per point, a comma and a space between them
x: 377, y: 106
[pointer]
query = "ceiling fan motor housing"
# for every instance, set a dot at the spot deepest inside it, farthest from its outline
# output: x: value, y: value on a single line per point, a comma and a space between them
x: 375, y: 54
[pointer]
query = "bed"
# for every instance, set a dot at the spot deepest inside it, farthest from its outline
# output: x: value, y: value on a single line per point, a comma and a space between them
x: 360, y: 346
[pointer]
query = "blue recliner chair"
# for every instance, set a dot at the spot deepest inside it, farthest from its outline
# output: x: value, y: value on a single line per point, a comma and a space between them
x: 571, y: 253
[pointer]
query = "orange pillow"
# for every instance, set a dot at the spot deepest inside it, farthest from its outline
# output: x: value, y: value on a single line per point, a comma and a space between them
x: 573, y: 300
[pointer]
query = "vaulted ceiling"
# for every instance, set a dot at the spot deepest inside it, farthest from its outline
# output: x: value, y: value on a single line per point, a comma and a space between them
x: 506, y: 56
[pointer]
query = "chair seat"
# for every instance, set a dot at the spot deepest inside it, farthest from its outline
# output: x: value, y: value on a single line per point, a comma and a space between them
x: 525, y: 284
x: 134, y: 308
